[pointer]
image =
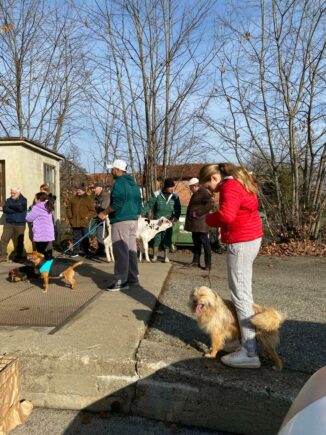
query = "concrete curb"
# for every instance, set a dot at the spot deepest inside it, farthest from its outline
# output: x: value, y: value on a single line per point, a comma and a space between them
x: 180, y: 387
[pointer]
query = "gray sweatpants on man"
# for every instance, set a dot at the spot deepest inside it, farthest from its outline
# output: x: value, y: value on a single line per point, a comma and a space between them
x: 124, y: 245
x: 240, y: 258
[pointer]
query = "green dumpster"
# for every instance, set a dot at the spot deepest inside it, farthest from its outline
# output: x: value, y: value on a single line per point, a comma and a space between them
x: 179, y: 235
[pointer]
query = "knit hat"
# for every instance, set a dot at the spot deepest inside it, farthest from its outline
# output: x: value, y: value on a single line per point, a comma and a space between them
x: 81, y: 187
x: 169, y: 182
x: 193, y: 181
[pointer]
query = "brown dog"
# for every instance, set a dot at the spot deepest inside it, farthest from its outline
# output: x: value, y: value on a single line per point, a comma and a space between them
x: 217, y: 317
x: 56, y: 267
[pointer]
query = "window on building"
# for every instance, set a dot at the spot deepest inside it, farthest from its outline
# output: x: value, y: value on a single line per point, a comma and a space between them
x: 49, y: 177
x: 2, y: 183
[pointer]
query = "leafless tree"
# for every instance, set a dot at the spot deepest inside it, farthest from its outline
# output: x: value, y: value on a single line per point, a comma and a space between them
x: 271, y: 89
x: 156, y: 55
x: 43, y: 71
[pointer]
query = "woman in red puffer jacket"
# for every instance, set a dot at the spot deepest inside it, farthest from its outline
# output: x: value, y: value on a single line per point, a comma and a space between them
x: 241, y: 230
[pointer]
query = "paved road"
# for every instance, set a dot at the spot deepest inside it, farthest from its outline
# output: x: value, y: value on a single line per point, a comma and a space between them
x: 58, y: 422
x: 295, y: 286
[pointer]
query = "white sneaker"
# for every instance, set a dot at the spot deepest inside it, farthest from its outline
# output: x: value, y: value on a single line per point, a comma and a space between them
x: 241, y: 359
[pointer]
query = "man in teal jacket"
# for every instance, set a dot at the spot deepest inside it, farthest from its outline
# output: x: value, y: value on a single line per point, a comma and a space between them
x: 164, y: 203
x: 124, y: 210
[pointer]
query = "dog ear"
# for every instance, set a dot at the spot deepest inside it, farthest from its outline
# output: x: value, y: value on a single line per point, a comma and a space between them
x: 194, y: 291
x: 215, y: 293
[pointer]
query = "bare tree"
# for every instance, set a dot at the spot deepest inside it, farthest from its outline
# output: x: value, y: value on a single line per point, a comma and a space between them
x: 155, y: 53
x: 42, y: 71
x: 271, y: 85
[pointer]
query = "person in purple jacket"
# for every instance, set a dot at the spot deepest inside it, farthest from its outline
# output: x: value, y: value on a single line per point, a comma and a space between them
x: 43, y: 227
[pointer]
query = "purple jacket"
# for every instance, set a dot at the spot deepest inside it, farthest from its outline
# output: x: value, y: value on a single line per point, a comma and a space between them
x: 43, y: 228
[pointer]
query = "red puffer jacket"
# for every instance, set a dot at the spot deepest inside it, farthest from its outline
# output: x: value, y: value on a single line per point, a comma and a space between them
x: 238, y: 214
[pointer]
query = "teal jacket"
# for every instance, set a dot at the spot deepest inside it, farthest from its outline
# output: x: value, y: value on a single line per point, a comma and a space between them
x: 125, y: 199
x: 161, y: 207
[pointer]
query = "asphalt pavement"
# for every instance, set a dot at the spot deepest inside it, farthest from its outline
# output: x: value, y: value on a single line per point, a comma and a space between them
x: 140, y: 352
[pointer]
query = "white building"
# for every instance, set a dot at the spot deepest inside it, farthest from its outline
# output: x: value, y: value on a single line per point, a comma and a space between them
x: 26, y: 164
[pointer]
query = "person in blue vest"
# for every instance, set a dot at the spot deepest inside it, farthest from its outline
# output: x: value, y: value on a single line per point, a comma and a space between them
x: 165, y: 203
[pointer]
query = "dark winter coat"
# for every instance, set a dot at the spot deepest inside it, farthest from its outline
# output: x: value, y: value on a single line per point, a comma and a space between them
x: 80, y: 210
x: 200, y: 204
x: 102, y: 201
x: 15, y: 210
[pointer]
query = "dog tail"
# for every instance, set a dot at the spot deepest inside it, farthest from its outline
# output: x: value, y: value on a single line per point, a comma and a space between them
x: 267, y: 320
x: 77, y: 263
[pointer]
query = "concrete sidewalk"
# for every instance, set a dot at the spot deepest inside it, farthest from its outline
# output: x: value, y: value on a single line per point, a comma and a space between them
x: 93, y: 355
x: 120, y: 354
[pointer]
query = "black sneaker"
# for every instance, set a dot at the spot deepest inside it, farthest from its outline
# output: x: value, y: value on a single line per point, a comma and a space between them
x: 116, y: 287
x: 133, y: 283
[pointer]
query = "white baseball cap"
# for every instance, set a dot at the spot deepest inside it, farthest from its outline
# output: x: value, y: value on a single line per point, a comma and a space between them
x: 193, y: 181
x: 118, y: 164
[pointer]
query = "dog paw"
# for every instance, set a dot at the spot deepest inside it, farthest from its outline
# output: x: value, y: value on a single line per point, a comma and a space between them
x: 210, y: 355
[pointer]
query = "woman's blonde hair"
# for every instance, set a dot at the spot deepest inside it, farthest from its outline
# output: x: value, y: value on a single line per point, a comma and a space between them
x: 229, y: 169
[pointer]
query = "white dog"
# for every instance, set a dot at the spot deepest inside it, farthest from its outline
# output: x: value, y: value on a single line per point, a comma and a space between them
x: 107, y: 240
x: 147, y: 230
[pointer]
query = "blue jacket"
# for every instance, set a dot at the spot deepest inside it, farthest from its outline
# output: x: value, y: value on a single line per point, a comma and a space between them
x: 15, y: 210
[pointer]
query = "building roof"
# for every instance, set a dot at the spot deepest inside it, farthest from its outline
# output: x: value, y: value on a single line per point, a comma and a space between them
x: 11, y: 141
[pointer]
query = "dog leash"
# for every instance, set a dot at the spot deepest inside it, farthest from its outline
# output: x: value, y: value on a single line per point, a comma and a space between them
x: 91, y: 231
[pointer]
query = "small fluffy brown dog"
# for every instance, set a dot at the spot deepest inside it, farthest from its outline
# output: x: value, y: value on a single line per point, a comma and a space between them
x: 59, y: 267
x: 217, y: 317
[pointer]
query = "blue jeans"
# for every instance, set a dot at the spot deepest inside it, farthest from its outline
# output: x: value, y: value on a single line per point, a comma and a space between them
x: 240, y: 258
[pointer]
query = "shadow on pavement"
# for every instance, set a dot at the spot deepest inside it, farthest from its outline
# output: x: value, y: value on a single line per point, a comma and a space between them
x: 303, y: 345
x: 99, y: 277
x: 197, y: 392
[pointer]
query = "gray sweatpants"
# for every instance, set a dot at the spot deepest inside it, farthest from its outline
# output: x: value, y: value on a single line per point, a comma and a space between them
x: 240, y: 258
x: 125, y: 251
